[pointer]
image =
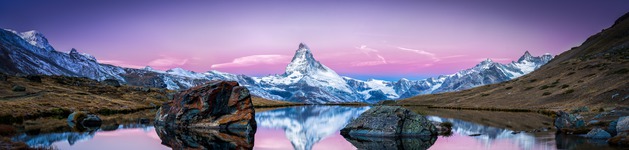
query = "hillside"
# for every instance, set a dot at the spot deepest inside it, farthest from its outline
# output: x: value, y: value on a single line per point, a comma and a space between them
x: 594, y: 74
x: 59, y: 96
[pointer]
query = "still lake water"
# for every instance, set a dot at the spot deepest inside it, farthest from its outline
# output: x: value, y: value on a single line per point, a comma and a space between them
x: 317, y: 127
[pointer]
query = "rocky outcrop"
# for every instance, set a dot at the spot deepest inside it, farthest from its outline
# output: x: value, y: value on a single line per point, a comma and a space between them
x: 216, y: 105
x: 389, y: 121
x: 18, y: 88
x: 566, y: 122
x: 111, y: 82
x: 203, y: 139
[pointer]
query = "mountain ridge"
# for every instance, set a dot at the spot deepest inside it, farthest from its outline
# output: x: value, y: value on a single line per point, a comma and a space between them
x: 305, y: 79
x: 593, y: 74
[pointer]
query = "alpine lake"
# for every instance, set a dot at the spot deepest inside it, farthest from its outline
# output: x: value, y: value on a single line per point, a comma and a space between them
x: 304, y: 128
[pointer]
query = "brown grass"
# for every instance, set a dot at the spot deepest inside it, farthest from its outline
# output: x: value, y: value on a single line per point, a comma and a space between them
x: 59, y: 96
x: 259, y: 102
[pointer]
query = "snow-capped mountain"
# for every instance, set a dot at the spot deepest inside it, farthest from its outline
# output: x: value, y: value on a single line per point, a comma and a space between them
x: 305, y: 79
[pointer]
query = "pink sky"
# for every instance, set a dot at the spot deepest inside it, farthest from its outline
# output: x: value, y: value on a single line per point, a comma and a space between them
x: 361, y: 39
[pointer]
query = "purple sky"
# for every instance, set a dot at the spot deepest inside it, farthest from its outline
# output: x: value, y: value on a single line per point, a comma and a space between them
x: 360, y: 39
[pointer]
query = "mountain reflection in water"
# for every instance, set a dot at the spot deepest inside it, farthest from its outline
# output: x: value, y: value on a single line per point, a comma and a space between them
x: 306, y: 125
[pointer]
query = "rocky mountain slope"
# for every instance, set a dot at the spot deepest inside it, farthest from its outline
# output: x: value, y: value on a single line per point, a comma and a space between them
x: 305, y: 79
x: 594, y: 74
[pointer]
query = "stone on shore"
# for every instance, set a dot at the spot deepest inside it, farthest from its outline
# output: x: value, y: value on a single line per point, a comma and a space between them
x: 598, y: 133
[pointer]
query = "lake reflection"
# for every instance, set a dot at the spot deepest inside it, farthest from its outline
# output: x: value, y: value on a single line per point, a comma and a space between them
x: 306, y: 125
x: 317, y: 127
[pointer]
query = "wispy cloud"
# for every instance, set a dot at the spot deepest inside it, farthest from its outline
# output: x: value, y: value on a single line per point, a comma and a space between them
x: 421, y: 52
x: 167, y: 62
x: 366, y: 50
x: 254, y: 60
x: 120, y: 63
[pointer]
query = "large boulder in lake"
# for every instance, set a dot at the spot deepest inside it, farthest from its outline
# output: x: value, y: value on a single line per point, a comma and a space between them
x: 217, y: 104
x: 389, y: 121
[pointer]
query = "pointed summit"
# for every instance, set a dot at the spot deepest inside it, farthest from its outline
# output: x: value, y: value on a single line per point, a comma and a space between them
x: 526, y: 56
x: 303, y: 46
x: 36, y: 39
x: 303, y: 62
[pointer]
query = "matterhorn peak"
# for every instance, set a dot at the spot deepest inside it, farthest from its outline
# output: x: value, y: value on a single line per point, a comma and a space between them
x: 303, y: 45
x: 303, y: 61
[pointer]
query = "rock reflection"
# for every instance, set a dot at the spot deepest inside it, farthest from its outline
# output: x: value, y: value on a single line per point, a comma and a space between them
x: 306, y: 125
x: 405, y: 143
x: 488, y: 134
x: 204, y: 139
x: 577, y: 142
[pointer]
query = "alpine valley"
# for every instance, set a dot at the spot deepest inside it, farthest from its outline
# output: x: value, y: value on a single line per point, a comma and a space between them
x: 305, y: 80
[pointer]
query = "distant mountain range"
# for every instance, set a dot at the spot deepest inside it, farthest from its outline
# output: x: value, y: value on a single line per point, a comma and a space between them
x: 305, y: 79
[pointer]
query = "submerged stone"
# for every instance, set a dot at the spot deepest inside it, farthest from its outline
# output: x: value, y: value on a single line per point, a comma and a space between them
x: 389, y: 121
x: 216, y: 104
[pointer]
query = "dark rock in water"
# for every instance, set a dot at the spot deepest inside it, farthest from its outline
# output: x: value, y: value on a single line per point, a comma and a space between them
x: 389, y: 121
x: 515, y: 132
x: 598, y: 133
x: 216, y: 104
x: 568, y: 121
x: 18, y: 88
x: 91, y: 120
x: 196, y: 138
x: 111, y: 82
x: 34, y: 78
x: 82, y: 120
x: 144, y: 121
x: 474, y: 134
x: 392, y: 143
